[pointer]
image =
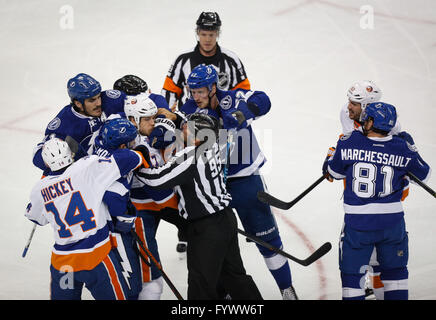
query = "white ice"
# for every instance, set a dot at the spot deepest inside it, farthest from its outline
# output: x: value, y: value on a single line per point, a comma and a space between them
x: 303, y: 54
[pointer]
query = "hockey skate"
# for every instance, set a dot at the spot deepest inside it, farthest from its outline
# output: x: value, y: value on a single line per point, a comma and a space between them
x: 289, y: 294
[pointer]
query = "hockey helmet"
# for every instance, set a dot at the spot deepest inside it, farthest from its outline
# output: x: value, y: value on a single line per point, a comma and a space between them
x: 116, y: 132
x: 131, y: 85
x: 139, y: 106
x: 383, y: 114
x: 208, y: 21
x: 82, y: 87
x: 202, y: 76
x: 57, y: 154
x: 364, y: 92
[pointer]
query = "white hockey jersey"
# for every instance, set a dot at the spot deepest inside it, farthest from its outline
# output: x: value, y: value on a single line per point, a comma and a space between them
x: 72, y: 203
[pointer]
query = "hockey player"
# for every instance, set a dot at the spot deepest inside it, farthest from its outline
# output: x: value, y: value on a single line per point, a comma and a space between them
x: 360, y: 94
x: 231, y: 71
x: 86, y: 113
x: 374, y: 165
x: 161, y: 136
x: 237, y: 109
x: 70, y: 198
x: 152, y: 205
x: 117, y: 199
x: 213, y: 255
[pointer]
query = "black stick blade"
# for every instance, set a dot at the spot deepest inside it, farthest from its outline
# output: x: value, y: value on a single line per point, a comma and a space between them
x: 273, y: 201
x: 321, y: 251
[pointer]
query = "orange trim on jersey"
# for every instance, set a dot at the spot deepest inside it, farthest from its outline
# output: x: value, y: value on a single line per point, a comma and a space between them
x: 357, y: 124
x: 153, y: 206
x: 116, y: 285
x: 405, y: 194
x: 82, y: 261
x: 114, y: 242
x: 376, y: 282
x: 144, y: 162
x: 145, y: 269
x: 242, y: 85
x: 169, y: 85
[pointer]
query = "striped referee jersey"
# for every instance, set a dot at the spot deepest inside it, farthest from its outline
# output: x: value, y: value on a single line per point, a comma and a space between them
x: 196, y: 175
x: 231, y: 73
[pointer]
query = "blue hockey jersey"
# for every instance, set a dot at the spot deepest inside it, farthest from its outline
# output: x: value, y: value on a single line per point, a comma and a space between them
x: 375, y: 172
x: 68, y: 122
x: 246, y: 157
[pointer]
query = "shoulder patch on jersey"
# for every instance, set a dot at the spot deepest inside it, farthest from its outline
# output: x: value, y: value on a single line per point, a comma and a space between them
x: 54, y: 124
x: 345, y: 137
x: 226, y: 102
x: 412, y: 147
x: 114, y: 94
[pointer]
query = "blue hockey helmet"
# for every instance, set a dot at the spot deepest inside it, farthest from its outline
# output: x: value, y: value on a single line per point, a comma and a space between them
x: 383, y: 114
x: 82, y: 87
x: 116, y: 132
x: 202, y: 76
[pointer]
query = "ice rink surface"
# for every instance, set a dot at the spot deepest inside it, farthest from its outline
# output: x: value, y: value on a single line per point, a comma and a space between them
x: 303, y: 54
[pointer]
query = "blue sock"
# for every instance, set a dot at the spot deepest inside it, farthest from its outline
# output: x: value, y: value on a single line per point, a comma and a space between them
x: 277, y: 264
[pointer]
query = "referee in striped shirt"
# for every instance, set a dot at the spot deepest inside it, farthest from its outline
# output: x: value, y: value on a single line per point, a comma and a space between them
x: 213, y: 255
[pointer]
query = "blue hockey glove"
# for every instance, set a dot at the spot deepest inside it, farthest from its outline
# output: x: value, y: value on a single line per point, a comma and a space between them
x: 125, y: 223
x: 163, y: 133
x: 407, y: 137
x: 325, y: 172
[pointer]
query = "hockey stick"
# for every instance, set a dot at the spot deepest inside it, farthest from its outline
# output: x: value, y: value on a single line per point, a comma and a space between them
x: 150, y: 256
x: 269, y: 199
x: 309, y: 260
x: 422, y: 184
x: 228, y: 146
x: 28, y: 241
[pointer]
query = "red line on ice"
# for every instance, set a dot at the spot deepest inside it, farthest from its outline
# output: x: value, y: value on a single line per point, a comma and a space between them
x: 319, y: 265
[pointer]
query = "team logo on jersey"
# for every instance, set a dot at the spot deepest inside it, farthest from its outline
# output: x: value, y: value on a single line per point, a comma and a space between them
x: 113, y: 94
x: 412, y: 147
x: 226, y: 102
x: 54, y: 124
x: 223, y: 81
x: 345, y: 137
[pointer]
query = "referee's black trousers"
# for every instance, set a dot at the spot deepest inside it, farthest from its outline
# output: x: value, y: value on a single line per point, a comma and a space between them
x: 214, y: 259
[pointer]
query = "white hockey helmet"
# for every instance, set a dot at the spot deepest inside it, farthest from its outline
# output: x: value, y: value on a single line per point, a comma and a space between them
x: 364, y: 92
x: 139, y: 106
x: 57, y: 154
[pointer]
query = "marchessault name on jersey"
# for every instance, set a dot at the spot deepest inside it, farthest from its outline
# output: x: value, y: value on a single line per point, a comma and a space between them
x: 375, y: 157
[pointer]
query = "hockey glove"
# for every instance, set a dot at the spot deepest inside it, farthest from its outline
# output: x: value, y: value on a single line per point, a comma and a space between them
x: 126, y: 222
x: 163, y: 133
x: 325, y: 171
x: 407, y: 137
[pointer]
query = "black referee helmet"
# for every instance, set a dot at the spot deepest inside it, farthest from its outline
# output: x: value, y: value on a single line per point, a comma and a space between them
x: 131, y: 85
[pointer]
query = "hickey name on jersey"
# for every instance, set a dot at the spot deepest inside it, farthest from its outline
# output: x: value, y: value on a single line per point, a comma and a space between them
x: 375, y: 157
x: 56, y: 190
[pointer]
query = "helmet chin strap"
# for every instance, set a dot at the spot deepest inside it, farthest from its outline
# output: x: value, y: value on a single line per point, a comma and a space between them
x: 210, y: 99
